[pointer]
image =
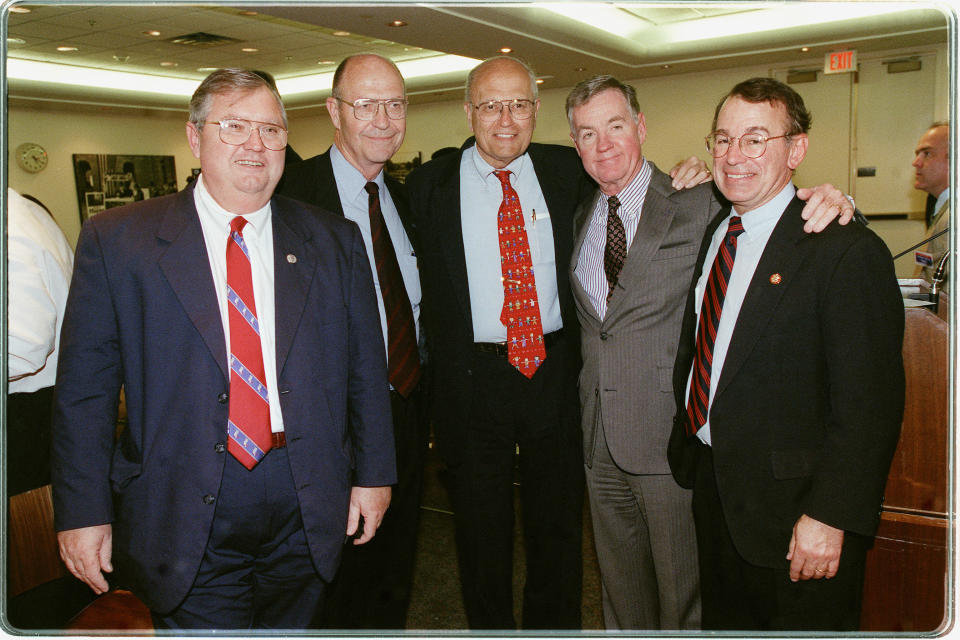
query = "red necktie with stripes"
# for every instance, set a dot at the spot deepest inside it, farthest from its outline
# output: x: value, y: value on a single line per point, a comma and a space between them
x: 710, y: 310
x: 521, y: 310
x: 403, y: 358
x: 248, y: 426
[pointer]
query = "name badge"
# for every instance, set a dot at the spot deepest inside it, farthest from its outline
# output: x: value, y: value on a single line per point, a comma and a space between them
x: 923, y: 258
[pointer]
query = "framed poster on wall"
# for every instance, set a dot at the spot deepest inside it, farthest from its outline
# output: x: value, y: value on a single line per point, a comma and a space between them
x: 104, y: 181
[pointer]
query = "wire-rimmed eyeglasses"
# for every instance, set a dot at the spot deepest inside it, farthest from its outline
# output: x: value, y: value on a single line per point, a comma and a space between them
x: 236, y: 132
x: 367, y: 108
x: 752, y: 145
x: 520, y: 108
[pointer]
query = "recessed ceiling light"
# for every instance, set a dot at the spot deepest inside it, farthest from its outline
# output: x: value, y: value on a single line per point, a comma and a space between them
x: 168, y: 63
x: 152, y: 32
x: 121, y: 58
x: 206, y: 69
x: 396, y: 23
x: 16, y: 41
x: 580, y: 69
x: 325, y: 62
x: 65, y: 49
x: 666, y: 66
x: 248, y: 13
x: 804, y: 49
x: 505, y: 49
x: 341, y: 33
x: 19, y: 9
x: 249, y: 49
x: 539, y: 80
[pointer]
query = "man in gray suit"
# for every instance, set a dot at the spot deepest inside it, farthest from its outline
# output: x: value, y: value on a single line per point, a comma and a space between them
x: 634, y: 251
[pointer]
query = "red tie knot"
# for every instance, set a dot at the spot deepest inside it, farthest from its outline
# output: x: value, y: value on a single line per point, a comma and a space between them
x: 237, y: 224
x: 503, y: 176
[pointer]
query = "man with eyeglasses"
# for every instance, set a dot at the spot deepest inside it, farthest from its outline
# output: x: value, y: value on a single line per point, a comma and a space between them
x: 788, y: 410
x: 243, y: 329
x: 634, y: 248
x: 368, y: 109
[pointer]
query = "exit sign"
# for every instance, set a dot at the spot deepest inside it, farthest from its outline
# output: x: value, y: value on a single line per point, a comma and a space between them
x: 840, y: 62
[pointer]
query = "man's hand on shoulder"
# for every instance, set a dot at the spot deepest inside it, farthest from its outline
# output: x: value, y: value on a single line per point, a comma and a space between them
x: 824, y: 204
x: 86, y: 552
x: 690, y: 173
x: 814, y: 550
x: 370, y: 503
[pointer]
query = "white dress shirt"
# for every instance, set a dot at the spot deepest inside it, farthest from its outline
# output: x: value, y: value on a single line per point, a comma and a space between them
x: 758, y: 224
x: 39, y: 270
x: 258, y: 236
x: 481, y: 194
x: 355, y: 202
x: 589, y: 269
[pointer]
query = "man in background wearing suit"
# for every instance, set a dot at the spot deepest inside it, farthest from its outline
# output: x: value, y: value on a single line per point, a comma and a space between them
x: 788, y: 409
x: 635, y: 245
x: 243, y: 329
x: 368, y: 109
x: 932, y: 169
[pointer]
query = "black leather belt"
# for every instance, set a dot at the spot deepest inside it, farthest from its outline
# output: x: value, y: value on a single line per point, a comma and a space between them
x: 500, y: 348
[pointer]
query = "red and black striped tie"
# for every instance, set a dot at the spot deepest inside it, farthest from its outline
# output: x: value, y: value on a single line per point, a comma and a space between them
x: 710, y: 310
x: 403, y: 358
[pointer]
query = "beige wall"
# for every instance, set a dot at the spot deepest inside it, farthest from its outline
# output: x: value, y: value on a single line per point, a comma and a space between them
x: 678, y: 110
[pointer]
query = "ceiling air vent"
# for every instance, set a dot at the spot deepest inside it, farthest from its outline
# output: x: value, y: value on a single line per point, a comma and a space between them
x: 201, y: 39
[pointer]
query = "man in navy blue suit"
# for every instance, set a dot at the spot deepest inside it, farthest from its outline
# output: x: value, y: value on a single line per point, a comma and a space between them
x: 203, y: 539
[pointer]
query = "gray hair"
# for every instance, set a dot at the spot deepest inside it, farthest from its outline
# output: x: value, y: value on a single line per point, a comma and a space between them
x: 342, y: 70
x: 227, y: 81
x: 471, y: 77
x: 584, y: 91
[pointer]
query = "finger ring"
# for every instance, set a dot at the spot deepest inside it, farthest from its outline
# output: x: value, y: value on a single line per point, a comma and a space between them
x: 819, y: 570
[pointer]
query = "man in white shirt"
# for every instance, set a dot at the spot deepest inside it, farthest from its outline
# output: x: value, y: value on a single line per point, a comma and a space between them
x: 40, y: 263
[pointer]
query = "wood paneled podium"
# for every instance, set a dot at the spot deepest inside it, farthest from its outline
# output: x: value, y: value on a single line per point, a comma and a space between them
x: 906, y: 579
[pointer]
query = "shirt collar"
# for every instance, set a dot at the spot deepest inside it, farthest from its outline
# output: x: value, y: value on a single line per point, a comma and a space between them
x: 942, y: 199
x: 766, y: 215
x: 485, y: 169
x: 256, y: 219
x: 348, y: 178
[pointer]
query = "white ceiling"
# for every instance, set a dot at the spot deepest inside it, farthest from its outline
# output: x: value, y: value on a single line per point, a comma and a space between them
x: 629, y: 40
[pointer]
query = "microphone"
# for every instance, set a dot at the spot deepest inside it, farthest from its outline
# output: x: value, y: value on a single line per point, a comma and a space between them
x: 922, y: 242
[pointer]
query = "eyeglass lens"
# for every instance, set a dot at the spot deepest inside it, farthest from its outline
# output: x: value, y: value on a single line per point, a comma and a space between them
x: 519, y: 109
x: 367, y: 109
x: 237, y: 132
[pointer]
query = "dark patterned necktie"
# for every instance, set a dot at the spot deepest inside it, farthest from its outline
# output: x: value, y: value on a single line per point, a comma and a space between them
x: 616, y: 250
x: 248, y: 423
x: 403, y: 358
x: 710, y: 310
x: 521, y: 309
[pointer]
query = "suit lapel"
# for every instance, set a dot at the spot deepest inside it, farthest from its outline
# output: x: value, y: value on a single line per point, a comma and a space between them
x: 182, y: 264
x: 760, y: 304
x: 449, y: 226
x: 325, y: 187
x: 294, y: 265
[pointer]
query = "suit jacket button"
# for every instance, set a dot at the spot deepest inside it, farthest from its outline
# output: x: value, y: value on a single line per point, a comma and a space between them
x: 208, y: 499
x: 223, y: 397
x: 604, y: 335
x: 219, y: 448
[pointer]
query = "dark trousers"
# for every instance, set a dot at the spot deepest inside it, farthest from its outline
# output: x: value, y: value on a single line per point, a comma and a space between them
x: 256, y: 571
x: 539, y: 416
x: 737, y: 595
x: 372, y: 587
x: 28, y: 440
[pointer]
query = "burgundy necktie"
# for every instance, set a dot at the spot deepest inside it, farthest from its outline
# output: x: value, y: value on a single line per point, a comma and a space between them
x: 710, y: 310
x: 403, y: 358
x: 249, y: 414
x: 521, y: 309
x: 616, y: 250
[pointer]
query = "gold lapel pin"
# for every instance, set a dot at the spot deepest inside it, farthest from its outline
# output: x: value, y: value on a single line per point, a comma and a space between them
x: 292, y: 259
x: 776, y: 278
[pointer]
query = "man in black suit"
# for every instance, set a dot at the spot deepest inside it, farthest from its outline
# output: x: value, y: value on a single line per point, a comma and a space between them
x: 789, y: 409
x: 368, y: 110
x: 484, y: 408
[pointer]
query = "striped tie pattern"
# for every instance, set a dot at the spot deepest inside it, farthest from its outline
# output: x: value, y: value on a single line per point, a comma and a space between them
x: 616, y: 250
x: 521, y: 309
x: 403, y: 358
x: 248, y: 426
x: 710, y: 311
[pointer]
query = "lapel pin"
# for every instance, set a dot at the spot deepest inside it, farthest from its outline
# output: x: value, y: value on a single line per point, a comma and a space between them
x: 292, y: 259
x: 776, y: 278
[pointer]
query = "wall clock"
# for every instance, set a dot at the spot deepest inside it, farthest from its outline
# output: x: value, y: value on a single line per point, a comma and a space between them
x: 31, y: 157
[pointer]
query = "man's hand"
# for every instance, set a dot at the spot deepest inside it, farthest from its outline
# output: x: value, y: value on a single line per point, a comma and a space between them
x: 370, y: 503
x: 690, y: 173
x: 86, y: 552
x: 824, y: 203
x: 814, y: 550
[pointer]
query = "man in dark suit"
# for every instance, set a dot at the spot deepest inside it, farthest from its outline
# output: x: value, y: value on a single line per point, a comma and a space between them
x: 243, y: 329
x: 368, y: 110
x: 789, y: 409
x: 484, y: 407
x: 630, y: 306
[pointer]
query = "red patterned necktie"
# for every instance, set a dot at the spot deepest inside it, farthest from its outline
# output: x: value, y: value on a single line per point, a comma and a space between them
x: 521, y: 309
x: 403, y: 358
x: 710, y: 310
x: 249, y: 416
x: 616, y: 250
